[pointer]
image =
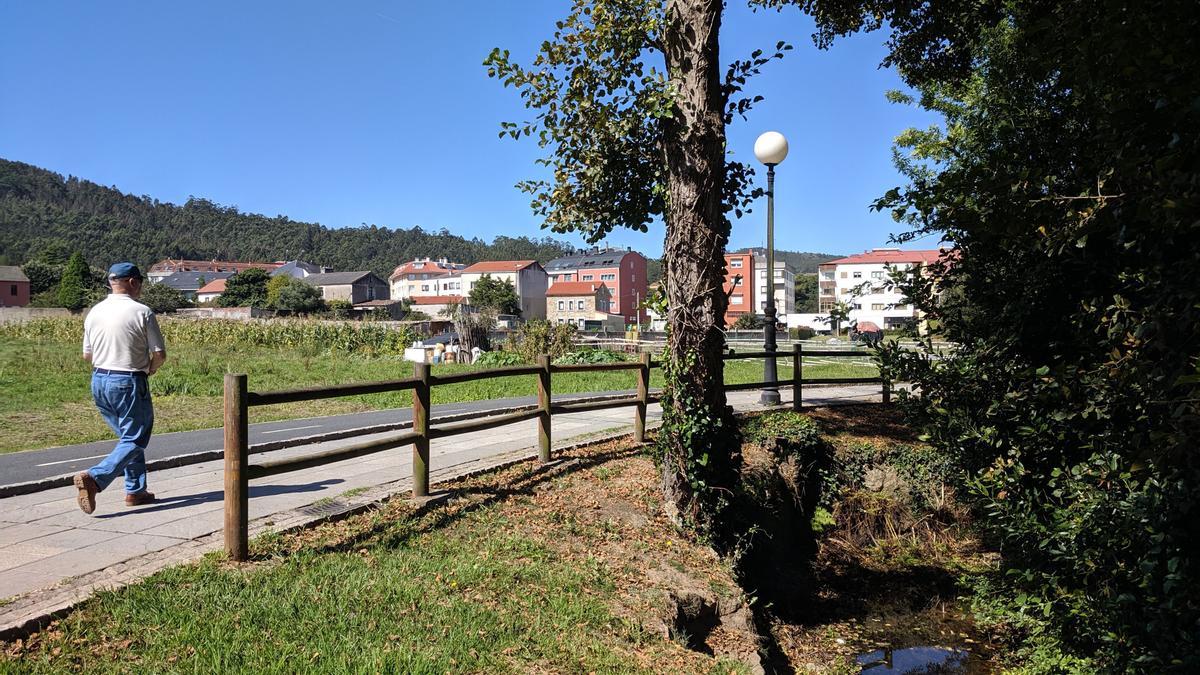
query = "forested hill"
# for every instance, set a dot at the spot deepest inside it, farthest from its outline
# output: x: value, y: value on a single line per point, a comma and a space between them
x: 40, y: 209
x: 800, y: 262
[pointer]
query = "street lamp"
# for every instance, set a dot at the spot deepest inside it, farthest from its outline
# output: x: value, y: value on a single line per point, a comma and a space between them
x: 771, y: 148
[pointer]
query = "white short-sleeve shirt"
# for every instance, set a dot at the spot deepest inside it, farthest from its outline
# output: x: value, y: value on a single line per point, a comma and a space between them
x: 120, y: 333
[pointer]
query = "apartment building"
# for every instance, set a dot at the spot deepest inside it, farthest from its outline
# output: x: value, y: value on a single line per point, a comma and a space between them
x: 424, y: 277
x: 622, y: 271
x: 206, y: 268
x: 783, y: 283
x: 739, y: 271
x: 862, y: 282
x: 527, y: 276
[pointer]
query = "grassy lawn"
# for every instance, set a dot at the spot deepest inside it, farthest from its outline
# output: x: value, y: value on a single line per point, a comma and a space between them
x: 508, y: 577
x: 48, y: 400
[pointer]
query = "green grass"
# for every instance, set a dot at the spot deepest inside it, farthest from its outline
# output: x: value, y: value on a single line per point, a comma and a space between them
x: 48, y: 399
x: 389, y: 594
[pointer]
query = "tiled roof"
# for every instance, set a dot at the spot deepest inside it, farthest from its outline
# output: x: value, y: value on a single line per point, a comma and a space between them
x: 172, y: 265
x: 436, y: 299
x: 377, y: 303
x: 430, y: 267
x: 190, y: 281
x: 573, y: 288
x: 608, y: 258
x: 12, y: 273
x: 889, y: 255
x: 214, y: 286
x: 335, y: 278
x: 499, y: 266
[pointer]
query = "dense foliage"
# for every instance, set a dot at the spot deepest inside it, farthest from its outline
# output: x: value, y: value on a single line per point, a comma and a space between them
x: 247, y: 288
x: 73, y: 286
x: 499, y: 296
x: 41, y: 210
x: 292, y: 334
x: 538, y: 336
x: 162, y: 298
x: 1068, y: 175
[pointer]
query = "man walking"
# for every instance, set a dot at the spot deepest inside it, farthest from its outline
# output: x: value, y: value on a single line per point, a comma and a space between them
x: 122, y: 340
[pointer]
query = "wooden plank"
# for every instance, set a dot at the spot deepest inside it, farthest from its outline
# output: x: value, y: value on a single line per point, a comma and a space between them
x: 329, y: 456
x: 329, y: 391
x: 506, y: 371
x: 595, y: 367
x: 584, y: 406
x: 485, y: 423
x: 643, y: 393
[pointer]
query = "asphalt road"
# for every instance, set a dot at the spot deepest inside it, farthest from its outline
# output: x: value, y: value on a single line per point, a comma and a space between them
x: 31, y: 465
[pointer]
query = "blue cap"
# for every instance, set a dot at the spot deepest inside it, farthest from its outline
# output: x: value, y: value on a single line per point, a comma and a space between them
x: 124, y: 270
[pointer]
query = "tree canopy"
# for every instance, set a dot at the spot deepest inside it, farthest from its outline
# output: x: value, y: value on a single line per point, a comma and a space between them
x: 497, y: 295
x: 247, y: 288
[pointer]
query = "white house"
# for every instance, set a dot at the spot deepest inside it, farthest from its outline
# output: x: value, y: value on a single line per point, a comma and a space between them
x: 862, y: 282
x: 423, y: 278
x: 527, y: 276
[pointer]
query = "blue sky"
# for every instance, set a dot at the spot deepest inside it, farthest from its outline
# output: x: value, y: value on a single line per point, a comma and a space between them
x: 381, y: 112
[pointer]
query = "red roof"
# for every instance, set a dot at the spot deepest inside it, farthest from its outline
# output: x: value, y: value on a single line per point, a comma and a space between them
x: 214, y: 286
x: 436, y: 299
x: 890, y: 255
x: 573, y: 288
x: 499, y: 266
x: 172, y: 265
x: 431, y: 267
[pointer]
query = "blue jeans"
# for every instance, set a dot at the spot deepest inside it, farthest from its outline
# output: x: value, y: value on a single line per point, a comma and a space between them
x: 124, y: 402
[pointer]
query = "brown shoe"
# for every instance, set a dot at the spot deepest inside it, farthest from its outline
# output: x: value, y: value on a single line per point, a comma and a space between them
x: 139, y: 498
x: 87, y: 491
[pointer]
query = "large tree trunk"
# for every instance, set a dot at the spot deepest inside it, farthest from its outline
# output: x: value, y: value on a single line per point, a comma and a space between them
x: 700, y: 455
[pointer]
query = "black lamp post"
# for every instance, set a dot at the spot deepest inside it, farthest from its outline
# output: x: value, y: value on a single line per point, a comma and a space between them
x: 771, y: 148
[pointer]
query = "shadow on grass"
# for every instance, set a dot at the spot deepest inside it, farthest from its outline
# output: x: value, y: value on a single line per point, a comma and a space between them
x: 531, y: 479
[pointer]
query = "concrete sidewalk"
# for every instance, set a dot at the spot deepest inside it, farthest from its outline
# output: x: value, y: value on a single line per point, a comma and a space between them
x: 53, y: 555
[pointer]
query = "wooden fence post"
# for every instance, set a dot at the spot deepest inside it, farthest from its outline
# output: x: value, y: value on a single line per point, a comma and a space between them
x: 797, y: 376
x: 237, y: 493
x: 643, y: 394
x: 887, y: 388
x: 420, y: 417
x: 544, y: 404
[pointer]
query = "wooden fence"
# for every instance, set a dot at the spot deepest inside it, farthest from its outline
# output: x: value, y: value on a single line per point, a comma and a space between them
x: 238, y: 400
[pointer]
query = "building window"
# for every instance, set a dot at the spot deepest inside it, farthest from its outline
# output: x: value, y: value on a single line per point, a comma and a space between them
x: 737, y: 281
x: 424, y: 288
x: 843, y: 275
x: 736, y: 263
x: 12, y: 290
x: 856, y: 306
x: 878, y: 306
x: 828, y: 276
x: 735, y: 300
x: 876, y: 275
x: 561, y: 304
x: 607, y: 277
x: 858, y: 275
x: 587, y: 277
x: 571, y: 304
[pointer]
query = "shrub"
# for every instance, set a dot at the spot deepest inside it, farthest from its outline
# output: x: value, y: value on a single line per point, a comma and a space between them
x: 591, y: 355
x: 498, y: 358
x: 802, y: 333
x: 539, y: 337
x: 339, y: 309
x: 163, y: 299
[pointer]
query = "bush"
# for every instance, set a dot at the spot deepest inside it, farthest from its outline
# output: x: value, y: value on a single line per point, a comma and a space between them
x: 297, y: 334
x: 591, y: 355
x: 539, y: 337
x: 162, y: 298
x: 339, y: 309
x: 498, y: 359
x: 802, y: 333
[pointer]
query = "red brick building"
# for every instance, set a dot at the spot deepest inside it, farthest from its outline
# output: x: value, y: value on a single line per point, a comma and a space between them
x: 14, y: 287
x: 623, y: 272
x: 739, y: 286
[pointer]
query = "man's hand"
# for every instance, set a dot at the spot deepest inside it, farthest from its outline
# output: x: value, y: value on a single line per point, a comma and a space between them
x: 87, y: 356
x: 156, y: 361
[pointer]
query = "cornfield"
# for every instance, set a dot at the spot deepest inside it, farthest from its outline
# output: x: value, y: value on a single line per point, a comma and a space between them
x: 289, y: 334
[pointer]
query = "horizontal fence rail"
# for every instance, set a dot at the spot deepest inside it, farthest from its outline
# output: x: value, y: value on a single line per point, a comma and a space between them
x: 238, y: 471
